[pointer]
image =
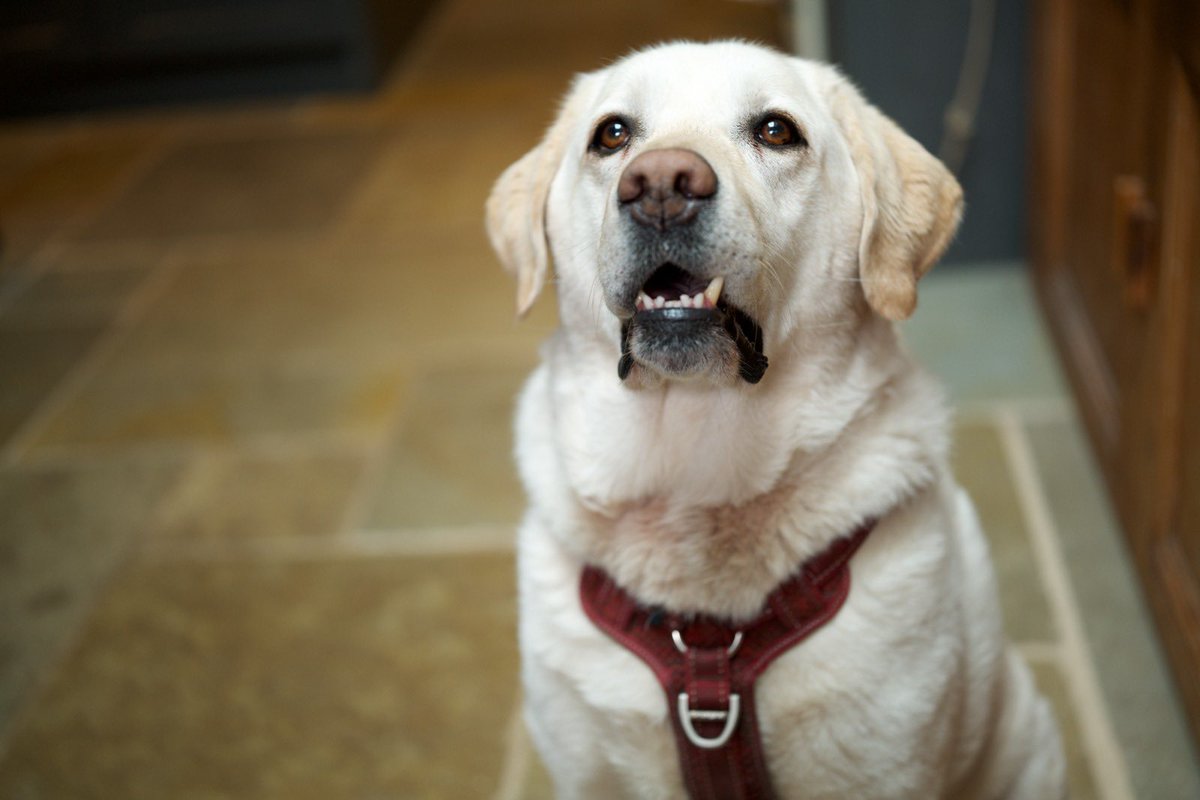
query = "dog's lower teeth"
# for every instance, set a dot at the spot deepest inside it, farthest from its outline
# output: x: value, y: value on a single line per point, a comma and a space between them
x: 705, y: 299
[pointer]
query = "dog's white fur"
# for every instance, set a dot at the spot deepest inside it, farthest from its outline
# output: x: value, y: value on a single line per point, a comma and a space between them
x: 703, y: 495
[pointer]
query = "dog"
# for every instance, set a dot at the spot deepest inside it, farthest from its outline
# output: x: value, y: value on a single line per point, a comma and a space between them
x: 726, y: 402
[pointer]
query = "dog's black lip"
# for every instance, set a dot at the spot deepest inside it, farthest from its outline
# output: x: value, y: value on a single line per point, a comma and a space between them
x: 678, y: 313
x: 741, y: 328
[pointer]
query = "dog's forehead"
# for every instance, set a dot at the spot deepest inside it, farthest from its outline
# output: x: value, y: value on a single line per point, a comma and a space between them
x: 705, y: 83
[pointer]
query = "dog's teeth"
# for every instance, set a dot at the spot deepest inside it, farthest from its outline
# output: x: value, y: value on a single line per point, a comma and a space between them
x: 644, y: 303
x: 685, y: 301
x: 713, y: 292
x: 698, y: 300
x: 660, y: 301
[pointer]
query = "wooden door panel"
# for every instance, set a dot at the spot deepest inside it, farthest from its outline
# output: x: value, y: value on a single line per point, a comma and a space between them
x: 1103, y: 282
x: 1116, y: 249
x: 1106, y: 145
x: 1177, y: 536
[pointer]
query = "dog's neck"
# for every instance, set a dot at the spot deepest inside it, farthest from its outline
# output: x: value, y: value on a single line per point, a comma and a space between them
x: 702, y: 499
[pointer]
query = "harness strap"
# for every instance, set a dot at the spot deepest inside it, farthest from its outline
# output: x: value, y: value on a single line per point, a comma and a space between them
x: 708, y: 667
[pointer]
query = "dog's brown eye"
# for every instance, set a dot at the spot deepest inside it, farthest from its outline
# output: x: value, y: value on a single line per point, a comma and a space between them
x: 778, y: 131
x: 611, y: 135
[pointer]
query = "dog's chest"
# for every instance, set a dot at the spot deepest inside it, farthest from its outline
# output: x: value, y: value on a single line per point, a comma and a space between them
x: 719, y: 560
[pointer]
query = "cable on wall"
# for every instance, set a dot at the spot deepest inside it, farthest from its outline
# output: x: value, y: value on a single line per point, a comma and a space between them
x: 958, y: 122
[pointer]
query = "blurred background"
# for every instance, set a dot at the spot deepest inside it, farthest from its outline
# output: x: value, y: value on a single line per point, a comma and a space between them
x: 257, y: 369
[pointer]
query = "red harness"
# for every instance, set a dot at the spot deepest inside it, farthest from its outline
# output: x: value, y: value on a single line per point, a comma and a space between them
x: 708, y: 668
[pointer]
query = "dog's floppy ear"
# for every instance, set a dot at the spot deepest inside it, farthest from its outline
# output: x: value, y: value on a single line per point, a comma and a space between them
x: 911, y: 203
x: 516, y: 208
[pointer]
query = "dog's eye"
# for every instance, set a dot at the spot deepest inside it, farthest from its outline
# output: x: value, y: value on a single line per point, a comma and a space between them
x: 611, y: 135
x: 776, y: 130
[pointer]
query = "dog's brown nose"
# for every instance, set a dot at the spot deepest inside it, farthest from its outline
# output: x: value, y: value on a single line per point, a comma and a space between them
x: 664, y: 188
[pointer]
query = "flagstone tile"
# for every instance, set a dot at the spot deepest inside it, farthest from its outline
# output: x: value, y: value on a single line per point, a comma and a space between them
x: 475, y: 38
x: 537, y: 783
x: 266, y: 338
x: 436, y: 172
x: 499, y: 96
x: 350, y: 299
x: 47, y: 328
x: 211, y: 186
x: 355, y: 678
x: 32, y: 363
x: 62, y: 531
x: 72, y: 299
x: 1081, y: 776
x: 131, y: 401
x: 118, y: 255
x: 982, y: 468
x: 69, y: 178
x: 977, y: 328
x: 452, y: 463
x: 235, y: 497
x: 57, y: 188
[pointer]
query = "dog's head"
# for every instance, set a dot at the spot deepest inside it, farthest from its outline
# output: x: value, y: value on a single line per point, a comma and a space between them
x: 706, y: 203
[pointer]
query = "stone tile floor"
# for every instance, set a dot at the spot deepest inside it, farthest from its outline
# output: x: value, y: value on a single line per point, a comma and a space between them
x: 256, y: 505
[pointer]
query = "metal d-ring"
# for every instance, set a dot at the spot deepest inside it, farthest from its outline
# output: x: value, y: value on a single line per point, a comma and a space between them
x: 686, y: 715
x: 677, y: 638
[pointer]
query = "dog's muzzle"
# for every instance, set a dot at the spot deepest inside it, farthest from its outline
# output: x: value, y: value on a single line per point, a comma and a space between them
x: 676, y: 336
x: 681, y: 330
x: 682, y: 326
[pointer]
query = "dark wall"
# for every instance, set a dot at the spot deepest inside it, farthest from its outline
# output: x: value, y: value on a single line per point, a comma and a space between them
x: 72, y: 55
x: 906, y: 57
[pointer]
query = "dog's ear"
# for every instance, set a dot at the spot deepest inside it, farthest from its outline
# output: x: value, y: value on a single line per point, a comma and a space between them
x: 516, y: 208
x: 911, y: 203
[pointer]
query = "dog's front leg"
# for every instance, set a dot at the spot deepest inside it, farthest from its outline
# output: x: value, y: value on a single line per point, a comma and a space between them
x: 595, y: 713
x: 557, y: 719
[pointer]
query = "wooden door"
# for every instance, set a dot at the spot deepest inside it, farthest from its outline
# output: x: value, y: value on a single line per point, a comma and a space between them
x: 1115, y: 173
x: 1176, y: 532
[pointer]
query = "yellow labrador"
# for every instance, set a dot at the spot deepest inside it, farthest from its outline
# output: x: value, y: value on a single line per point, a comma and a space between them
x: 733, y: 233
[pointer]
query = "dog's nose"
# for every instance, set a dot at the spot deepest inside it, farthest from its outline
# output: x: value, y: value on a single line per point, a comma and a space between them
x: 664, y: 188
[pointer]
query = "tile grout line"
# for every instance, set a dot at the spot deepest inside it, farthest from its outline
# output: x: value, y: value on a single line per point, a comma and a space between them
x: 1106, y: 757
x: 515, y: 768
x: 268, y: 446
x: 371, y: 478
x: 415, y: 542
x: 90, y: 363
x: 358, y: 507
x: 1042, y: 652
x: 1049, y: 409
x: 42, y: 258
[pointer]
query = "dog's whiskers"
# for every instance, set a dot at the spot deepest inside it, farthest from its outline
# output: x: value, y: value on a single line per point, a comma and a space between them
x: 770, y: 270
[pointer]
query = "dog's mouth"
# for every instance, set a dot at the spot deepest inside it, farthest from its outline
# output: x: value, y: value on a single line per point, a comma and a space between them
x: 672, y: 287
x: 683, y: 327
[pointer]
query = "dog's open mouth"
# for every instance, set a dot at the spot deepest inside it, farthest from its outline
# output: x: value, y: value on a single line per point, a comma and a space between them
x: 684, y: 327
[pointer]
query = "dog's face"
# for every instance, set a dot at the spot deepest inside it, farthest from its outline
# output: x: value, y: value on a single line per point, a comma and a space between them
x: 705, y: 204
